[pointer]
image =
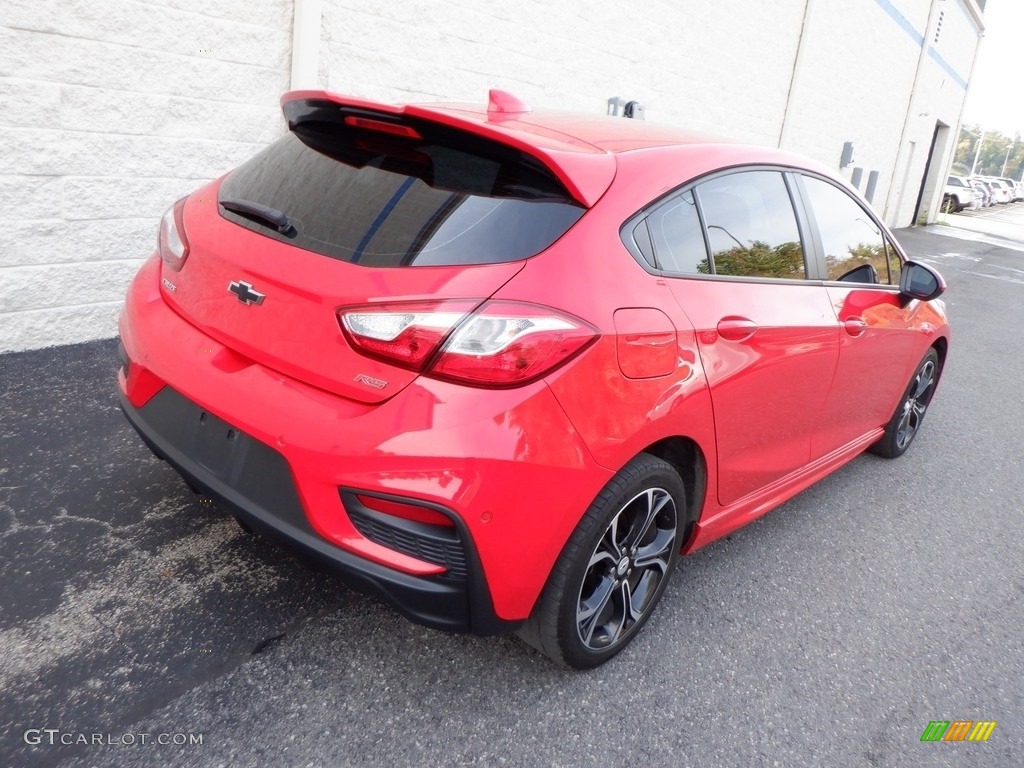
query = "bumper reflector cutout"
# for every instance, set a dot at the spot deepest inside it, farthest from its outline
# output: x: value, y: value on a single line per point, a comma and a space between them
x: 431, y: 542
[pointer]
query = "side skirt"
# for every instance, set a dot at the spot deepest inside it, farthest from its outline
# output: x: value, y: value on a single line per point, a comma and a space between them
x: 727, y: 519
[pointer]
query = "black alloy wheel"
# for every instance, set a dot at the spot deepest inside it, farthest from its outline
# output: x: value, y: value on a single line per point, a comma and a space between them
x: 906, y: 421
x: 614, y: 568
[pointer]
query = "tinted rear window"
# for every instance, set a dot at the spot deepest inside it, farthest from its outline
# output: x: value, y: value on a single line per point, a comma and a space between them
x: 370, y: 198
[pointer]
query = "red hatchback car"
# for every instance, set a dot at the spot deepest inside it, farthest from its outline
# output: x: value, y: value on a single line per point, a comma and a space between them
x: 501, y: 368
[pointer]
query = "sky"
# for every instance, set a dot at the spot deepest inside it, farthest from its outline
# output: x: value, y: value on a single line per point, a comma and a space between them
x: 995, y: 99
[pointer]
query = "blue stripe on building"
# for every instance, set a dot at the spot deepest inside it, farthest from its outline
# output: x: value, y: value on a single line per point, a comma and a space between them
x: 918, y: 38
x: 947, y: 67
x: 900, y: 19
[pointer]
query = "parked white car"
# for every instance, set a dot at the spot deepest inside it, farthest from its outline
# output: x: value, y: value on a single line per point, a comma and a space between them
x: 1002, y: 192
x: 1016, y: 188
x: 959, y: 194
x: 984, y: 193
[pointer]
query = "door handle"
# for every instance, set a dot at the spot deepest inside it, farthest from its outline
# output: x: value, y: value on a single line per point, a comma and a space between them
x: 736, y: 328
x: 855, y: 326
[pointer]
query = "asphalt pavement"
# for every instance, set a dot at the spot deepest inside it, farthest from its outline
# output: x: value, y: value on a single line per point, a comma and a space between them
x: 828, y: 633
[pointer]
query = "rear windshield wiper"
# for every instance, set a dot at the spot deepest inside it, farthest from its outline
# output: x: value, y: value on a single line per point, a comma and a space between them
x: 262, y: 212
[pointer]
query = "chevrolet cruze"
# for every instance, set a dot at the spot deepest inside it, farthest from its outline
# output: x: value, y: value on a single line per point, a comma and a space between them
x: 501, y: 368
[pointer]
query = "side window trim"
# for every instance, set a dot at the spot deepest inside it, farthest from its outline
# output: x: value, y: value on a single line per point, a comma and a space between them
x: 649, y: 241
x: 814, y: 251
x: 890, y: 247
x: 641, y: 215
x: 712, y: 270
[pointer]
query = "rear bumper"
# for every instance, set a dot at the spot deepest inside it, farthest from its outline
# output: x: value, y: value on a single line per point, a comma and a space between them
x: 256, y: 485
x: 506, y: 466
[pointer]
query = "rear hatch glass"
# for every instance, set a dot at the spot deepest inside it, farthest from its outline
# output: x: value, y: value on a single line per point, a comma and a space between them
x: 326, y: 217
x: 434, y: 197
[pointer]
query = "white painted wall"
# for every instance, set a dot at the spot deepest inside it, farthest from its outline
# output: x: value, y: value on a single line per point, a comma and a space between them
x: 112, y: 109
x: 109, y: 112
x: 721, y: 67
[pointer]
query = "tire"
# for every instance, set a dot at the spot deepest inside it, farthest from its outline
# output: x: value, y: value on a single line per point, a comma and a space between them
x: 610, y: 576
x: 906, y: 421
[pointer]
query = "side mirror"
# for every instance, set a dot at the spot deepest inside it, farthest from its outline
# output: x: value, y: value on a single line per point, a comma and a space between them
x: 919, y: 281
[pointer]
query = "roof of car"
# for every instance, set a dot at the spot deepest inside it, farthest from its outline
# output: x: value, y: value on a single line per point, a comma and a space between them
x: 603, y: 132
x: 569, y: 131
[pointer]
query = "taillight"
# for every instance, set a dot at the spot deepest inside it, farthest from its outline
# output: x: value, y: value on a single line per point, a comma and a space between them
x: 406, y: 334
x: 172, y: 244
x: 500, y: 344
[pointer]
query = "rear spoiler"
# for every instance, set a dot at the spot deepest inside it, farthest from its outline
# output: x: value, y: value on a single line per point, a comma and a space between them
x: 586, y: 171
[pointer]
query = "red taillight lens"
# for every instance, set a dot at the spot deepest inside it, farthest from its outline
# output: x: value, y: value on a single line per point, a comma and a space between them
x: 172, y: 244
x: 384, y: 127
x: 407, y: 334
x: 506, y: 343
x: 501, y: 344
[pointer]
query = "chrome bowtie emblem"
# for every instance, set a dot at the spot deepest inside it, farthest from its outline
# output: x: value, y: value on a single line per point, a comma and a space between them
x: 245, y: 294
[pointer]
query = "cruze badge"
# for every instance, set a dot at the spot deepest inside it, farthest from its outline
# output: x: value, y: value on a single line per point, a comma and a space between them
x: 245, y: 294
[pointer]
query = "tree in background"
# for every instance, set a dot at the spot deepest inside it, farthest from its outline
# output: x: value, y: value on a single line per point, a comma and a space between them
x: 993, y: 153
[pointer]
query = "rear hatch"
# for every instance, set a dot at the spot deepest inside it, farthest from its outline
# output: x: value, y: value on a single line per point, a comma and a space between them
x: 354, y: 207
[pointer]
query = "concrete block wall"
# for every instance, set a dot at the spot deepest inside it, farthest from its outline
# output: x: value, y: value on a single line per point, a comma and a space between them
x: 856, y: 77
x: 728, y: 68
x: 941, y: 93
x: 722, y: 67
x: 860, y: 83
x: 109, y: 112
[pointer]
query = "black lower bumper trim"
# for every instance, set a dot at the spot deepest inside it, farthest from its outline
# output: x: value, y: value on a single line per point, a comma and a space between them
x: 254, y: 482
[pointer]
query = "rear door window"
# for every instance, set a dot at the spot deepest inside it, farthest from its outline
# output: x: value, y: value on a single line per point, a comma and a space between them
x: 366, y: 197
x: 751, y: 226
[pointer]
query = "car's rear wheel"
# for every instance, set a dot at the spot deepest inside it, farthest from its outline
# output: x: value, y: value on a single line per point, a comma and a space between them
x: 614, y: 568
x: 906, y: 421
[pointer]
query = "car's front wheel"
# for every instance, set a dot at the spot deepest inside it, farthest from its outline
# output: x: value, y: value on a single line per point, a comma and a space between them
x: 614, y: 568
x: 906, y: 421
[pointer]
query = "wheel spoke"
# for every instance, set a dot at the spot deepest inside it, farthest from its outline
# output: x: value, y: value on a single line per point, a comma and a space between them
x: 647, y: 583
x: 655, y: 500
x: 602, y: 556
x: 907, y: 426
x: 905, y: 418
x: 625, y: 611
x: 612, y: 536
x: 925, y: 379
x: 658, y: 553
x: 589, y: 611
